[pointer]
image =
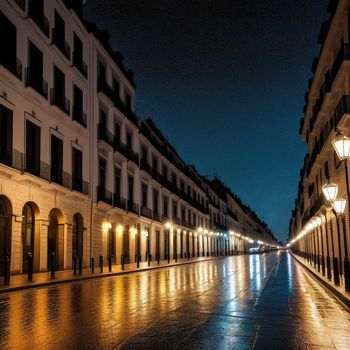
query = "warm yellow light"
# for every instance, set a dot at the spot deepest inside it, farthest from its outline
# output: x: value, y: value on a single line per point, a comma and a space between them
x: 330, y: 191
x: 338, y: 205
x: 318, y: 220
x: 119, y: 229
x: 168, y: 225
x: 200, y: 230
x: 106, y: 226
x: 341, y: 145
x: 205, y: 231
x: 251, y: 241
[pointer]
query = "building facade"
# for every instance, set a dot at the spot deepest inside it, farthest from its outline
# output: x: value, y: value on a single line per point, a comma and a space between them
x: 316, y: 231
x: 81, y: 176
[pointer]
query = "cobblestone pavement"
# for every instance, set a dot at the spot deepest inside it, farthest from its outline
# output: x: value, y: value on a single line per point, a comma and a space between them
x: 241, y: 302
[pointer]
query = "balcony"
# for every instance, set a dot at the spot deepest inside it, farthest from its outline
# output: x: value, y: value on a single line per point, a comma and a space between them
x: 146, y: 212
x: 126, y: 151
x: 38, y: 18
x: 343, y: 107
x: 320, y: 201
x: 14, y: 67
x: 343, y: 54
x: 119, y: 202
x: 104, y: 196
x: 132, y: 207
x: 176, y: 221
x: 103, y: 87
x: 145, y: 166
x: 220, y: 226
x: 232, y: 214
x: 38, y: 84
x: 105, y: 135
x: 156, y: 216
x: 184, y: 223
x: 79, y: 63
x: 79, y: 116
x: 59, y: 41
x: 24, y: 163
x: 59, y: 101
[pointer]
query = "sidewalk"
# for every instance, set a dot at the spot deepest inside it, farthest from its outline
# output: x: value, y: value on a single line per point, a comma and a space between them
x: 338, y: 291
x: 40, y: 279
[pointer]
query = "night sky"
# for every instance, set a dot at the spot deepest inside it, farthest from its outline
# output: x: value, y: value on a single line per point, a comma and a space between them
x: 224, y: 81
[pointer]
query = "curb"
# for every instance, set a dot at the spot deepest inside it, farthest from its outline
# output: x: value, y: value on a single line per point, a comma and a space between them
x: 10, y: 289
x: 334, y: 291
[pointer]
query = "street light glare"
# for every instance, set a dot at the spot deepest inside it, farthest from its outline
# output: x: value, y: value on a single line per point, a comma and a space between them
x: 341, y: 145
x: 338, y: 205
x: 330, y: 191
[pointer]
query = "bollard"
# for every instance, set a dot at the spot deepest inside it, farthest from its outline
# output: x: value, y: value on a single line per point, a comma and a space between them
x: 52, y: 264
x: 74, y: 264
x: 137, y: 260
x: 110, y: 264
x: 158, y: 258
x: 149, y: 259
x: 7, y: 270
x: 92, y: 265
x: 80, y: 266
x: 175, y: 256
x: 168, y: 255
x: 30, y: 267
x: 101, y: 263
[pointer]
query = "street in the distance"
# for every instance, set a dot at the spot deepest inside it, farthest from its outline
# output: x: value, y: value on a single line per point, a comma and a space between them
x: 263, y: 301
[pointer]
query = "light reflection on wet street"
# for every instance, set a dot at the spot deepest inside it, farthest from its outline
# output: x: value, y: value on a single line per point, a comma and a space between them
x: 241, y: 302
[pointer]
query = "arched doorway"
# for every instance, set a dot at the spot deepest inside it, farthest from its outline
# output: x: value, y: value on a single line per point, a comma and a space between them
x: 30, y: 243
x: 77, y: 239
x: 5, y: 230
x: 55, y: 239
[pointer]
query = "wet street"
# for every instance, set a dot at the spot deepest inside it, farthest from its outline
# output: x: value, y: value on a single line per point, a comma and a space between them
x: 241, y: 302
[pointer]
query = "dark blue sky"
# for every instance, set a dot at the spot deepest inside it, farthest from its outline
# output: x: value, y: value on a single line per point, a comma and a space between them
x: 224, y: 81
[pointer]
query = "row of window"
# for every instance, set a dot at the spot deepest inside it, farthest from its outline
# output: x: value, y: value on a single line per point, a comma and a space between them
x: 31, y: 161
x: 144, y: 195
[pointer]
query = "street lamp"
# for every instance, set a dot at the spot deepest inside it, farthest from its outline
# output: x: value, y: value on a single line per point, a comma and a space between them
x: 341, y: 145
x: 330, y: 191
x: 339, y: 208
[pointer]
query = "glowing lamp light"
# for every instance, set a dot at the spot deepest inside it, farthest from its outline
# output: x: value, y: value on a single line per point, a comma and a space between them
x: 205, y: 231
x: 119, y: 229
x: 318, y: 220
x: 260, y: 242
x: 341, y: 145
x: 168, y: 225
x: 106, y: 226
x: 251, y: 241
x: 338, y: 205
x: 200, y: 230
x: 330, y: 191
